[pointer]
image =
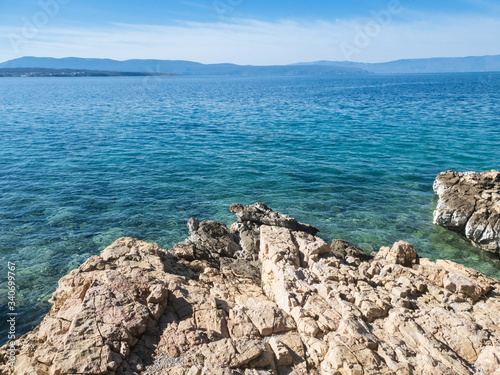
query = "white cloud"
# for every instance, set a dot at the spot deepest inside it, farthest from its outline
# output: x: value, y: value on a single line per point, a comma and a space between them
x: 246, y: 41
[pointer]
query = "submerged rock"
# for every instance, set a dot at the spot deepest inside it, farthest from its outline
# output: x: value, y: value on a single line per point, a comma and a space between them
x: 301, y: 307
x: 469, y: 203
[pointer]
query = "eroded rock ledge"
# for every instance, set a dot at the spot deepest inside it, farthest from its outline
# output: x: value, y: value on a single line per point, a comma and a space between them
x: 469, y: 203
x: 264, y: 297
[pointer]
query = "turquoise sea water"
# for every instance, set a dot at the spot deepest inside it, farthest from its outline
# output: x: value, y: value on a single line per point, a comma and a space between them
x: 87, y: 160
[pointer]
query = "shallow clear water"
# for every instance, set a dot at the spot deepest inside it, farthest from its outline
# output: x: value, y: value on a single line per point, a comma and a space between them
x: 87, y: 160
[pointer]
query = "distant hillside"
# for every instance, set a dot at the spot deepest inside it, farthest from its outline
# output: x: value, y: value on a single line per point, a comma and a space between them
x: 185, y: 68
x: 434, y: 65
x: 46, y: 72
x: 190, y: 68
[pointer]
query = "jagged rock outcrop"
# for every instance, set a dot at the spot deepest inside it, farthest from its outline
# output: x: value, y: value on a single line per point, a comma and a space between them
x: 208, y: 240
x: 469, y: 203
x: 260, y: 214
x: 301, y: 307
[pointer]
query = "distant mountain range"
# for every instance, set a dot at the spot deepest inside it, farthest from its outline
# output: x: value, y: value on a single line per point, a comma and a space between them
x: 433, y: 65
x: 185, y: 68
x: 189, y: 68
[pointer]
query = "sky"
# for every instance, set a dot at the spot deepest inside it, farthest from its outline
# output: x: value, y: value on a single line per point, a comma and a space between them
x: 254, y: 32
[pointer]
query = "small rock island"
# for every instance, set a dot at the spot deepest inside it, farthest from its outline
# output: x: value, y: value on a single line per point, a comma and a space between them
x: 265, y: 296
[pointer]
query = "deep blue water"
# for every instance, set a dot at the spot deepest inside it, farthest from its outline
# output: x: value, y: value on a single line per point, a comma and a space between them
x: 87, y: 160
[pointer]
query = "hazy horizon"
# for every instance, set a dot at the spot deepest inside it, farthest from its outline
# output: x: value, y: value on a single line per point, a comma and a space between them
x: 243, y: 64
x: 250, y: 33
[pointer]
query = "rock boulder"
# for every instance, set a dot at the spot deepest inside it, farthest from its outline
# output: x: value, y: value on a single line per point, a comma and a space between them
x: 469, y: 203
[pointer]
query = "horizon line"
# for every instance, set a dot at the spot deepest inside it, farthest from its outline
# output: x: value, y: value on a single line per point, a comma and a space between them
x: 299, y: 62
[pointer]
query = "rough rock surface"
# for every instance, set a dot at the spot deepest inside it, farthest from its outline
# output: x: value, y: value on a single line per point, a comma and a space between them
x: 301, y: 307
x: 469, y: 203
x: 261, y: 214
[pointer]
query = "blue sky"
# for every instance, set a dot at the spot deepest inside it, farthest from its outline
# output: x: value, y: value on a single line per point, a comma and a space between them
x: 249, y: 31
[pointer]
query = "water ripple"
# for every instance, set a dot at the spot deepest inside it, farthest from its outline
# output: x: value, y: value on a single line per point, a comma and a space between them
x: 87, y: 160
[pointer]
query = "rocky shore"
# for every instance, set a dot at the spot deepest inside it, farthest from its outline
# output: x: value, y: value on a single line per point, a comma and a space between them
x: 469, y: 203
x: 265, y: 296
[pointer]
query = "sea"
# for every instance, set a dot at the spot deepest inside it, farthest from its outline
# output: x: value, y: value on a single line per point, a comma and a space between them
x: 85, y: 161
